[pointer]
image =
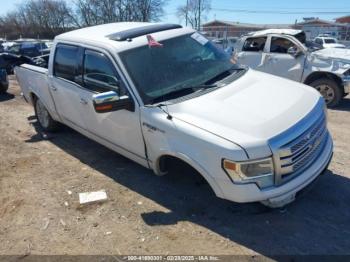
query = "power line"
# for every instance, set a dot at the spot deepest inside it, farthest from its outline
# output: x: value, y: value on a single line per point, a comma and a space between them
x: 279, y: 12
x: 289, y: 8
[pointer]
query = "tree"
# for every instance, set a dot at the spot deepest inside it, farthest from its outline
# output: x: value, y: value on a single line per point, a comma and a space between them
x: 194, y: 12
x: 92, y: 12
x: 48, y: 18
x: 150, y: 10
x: 38, y: 18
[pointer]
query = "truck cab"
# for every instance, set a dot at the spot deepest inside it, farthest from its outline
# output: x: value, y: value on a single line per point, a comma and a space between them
x: 158, y: 93
x: 285, y: 53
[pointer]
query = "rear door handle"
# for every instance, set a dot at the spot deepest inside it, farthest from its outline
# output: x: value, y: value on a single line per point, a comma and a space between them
x: 83, y: 101
x: 54, y: 88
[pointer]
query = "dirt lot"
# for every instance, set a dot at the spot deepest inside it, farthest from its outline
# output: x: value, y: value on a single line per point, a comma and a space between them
x: 145, y: 214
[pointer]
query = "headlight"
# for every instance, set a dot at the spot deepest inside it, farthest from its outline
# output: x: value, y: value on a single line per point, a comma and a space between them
x: 260, y: 172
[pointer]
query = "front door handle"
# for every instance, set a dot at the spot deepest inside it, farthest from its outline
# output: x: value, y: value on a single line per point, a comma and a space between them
x: 54, y: 88
x: 83, y: 101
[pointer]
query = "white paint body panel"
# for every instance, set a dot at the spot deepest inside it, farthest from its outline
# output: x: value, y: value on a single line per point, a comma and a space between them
x: 246, y: 113
x: 335, y: 61
x: 323, y: 40
x: 334, y: 46
x: 234, y: 122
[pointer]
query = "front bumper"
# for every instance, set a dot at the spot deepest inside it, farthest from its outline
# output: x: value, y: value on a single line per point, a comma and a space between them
x: 289, y: 197
x: 284, y: 194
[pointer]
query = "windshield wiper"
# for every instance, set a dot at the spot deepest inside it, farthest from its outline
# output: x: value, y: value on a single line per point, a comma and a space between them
x: 223, y: 75
x: 203, y: 86
x: 181, y: 92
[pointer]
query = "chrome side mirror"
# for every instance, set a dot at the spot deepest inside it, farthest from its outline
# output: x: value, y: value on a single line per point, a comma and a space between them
x: 106, y: 97
x: 111, y: 101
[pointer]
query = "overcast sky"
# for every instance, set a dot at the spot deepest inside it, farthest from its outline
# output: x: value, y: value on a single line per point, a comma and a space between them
x: 236, y: 10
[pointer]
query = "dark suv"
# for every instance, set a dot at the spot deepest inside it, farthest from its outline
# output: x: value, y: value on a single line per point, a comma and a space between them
x: 31, y: 49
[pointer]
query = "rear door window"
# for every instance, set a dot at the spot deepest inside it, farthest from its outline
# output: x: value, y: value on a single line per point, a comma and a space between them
x: 254, y: 44
x: 66, y: 63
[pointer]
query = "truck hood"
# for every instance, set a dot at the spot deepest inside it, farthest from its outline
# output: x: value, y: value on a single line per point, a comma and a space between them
x: 335, y: 60
x: 334, y: 53
x: 250, y: 111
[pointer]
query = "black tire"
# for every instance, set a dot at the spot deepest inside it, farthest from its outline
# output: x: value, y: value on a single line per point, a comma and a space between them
x: 44, y: 118
x: 330, y: 90
x: 3, y: 88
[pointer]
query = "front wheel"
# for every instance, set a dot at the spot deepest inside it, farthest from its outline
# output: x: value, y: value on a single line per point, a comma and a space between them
x: 44, y: 118
x: 329, y: 89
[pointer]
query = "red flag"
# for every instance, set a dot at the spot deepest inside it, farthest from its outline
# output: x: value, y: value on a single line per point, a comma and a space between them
x: 152, y: 42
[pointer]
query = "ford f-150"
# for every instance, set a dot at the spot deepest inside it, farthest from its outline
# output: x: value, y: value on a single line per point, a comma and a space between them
x: 158, y: 93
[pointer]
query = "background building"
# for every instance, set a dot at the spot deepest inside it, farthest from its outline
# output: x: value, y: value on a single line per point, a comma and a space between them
x: 313, y: 26
x: 343, y: 19
x: 223, y: 29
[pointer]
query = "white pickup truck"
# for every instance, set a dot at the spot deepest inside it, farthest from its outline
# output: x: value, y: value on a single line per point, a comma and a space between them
x: 328, y: 42
x: 159, y: 93
x: 286, y: 53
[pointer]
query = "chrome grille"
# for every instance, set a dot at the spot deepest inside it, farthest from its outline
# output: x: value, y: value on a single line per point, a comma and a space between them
x: 295, y: 156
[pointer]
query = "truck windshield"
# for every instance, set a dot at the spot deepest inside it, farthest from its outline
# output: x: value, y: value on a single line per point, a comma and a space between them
x: 171, y: 69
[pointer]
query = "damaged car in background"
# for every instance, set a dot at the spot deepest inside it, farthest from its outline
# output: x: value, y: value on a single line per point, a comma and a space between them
x: 4, y: 82
x: 10, y: 61
x: 285, y: 53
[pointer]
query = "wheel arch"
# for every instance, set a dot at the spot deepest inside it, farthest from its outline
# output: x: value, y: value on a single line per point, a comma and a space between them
x: 321, y: 74
x: 189, y: 162
x: 32, y: 98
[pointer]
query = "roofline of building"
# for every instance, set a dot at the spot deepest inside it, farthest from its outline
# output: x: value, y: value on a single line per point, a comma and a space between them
x: 264, y: 26
x: 320, y: 20
x: 345, y: 16
x: 260, y: 26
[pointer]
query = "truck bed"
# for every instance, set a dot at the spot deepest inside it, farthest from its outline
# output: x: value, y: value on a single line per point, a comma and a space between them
x: 34, y: 81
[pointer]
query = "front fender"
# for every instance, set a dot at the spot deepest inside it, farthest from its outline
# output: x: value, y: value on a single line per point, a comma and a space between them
x: 199, y: 148
x: 188, y: 160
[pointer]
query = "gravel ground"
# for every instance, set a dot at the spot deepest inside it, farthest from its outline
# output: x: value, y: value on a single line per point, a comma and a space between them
x: 146, y: 214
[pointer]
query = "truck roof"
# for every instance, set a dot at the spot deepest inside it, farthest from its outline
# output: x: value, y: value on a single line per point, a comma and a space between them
x: 276, y: 31
x: 116, y: 33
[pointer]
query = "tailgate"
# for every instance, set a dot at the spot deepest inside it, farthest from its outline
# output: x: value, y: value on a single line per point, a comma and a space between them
x: 34, y: 80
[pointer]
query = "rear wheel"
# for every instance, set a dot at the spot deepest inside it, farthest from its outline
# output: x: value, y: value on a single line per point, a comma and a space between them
x: 44, y: 118
x: 329, y: 89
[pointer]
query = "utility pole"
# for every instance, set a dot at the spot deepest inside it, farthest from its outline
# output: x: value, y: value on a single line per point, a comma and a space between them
x: 186, y: 12
x: 199, y: 14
